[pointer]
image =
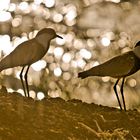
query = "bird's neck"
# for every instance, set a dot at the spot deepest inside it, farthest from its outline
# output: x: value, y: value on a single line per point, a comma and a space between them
x: 44, y: 41
x: 137, y: 51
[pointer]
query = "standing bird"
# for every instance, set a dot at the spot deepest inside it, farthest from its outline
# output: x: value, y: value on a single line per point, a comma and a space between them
x: 118, y: 67
x: 29, y: 52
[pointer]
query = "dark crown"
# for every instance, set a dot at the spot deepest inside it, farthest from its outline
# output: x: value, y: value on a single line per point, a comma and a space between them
x: 46, y: 30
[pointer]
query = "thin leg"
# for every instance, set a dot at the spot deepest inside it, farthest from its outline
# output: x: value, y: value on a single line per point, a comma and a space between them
x: 21, y: 78
x: 26, y: 80
x: 122, y: 93
x: 115, y: 89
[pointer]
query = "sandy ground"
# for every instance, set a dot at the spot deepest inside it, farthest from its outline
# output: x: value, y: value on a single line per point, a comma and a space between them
x: 55, y: 119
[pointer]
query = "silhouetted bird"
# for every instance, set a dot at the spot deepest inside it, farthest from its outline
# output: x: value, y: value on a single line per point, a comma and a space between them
x: 118, y: 67
x: 29, y: 52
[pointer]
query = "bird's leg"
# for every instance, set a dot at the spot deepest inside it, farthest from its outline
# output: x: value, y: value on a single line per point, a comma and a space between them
x: 26, y: 81
x: 21, y: 78
x: 115, y: 89
x: 122, y: 93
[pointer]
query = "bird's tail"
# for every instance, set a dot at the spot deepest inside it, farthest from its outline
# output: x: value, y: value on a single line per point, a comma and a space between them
x: 2, y: 65
x: 83, y: 74
x: 95, y: 71
x: 87, y: 73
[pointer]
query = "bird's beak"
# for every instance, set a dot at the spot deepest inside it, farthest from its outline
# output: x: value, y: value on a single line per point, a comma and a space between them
x: 59, y: 36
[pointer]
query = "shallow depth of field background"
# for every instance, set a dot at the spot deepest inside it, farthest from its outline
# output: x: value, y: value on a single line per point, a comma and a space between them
x: 93, y: 31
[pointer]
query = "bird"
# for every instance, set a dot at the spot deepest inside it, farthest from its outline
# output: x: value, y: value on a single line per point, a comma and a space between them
x: 29, y: 52
x: 118, y: 67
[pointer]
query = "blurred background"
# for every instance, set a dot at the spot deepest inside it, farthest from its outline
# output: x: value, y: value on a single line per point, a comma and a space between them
x: 93, y: 31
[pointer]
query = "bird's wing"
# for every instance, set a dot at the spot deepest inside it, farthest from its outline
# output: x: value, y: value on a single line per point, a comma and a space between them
x: 26, y: 53
x: 118, y: 66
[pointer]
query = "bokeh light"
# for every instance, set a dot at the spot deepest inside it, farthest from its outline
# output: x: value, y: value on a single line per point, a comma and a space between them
x: 5, y: 16
x: 37, y: 2
x: 67, y: 57
x: 105, y: 41
x: 66, y: 76
x: 49, y: 3
x: 40, y: 95
x: 17, y: 21
x: 6, y: 45
x: 71, y: 14
x: 65, y: 66
x: 58, y: 18
x: 12, y: 7
x: 4, y: 4
x: 24, y: 6
x: 116, y: 1
x: 57, y: 71
x: 39, y: 65
x: 10, y: 90
x: 85, y: 53
x: 81, y: 63
x: 21, y: 92
x: 132, y: 82
x: 58, y: 52
x: 32, y: 94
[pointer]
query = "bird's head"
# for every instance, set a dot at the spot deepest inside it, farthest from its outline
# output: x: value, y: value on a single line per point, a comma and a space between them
x: 47, y: 33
